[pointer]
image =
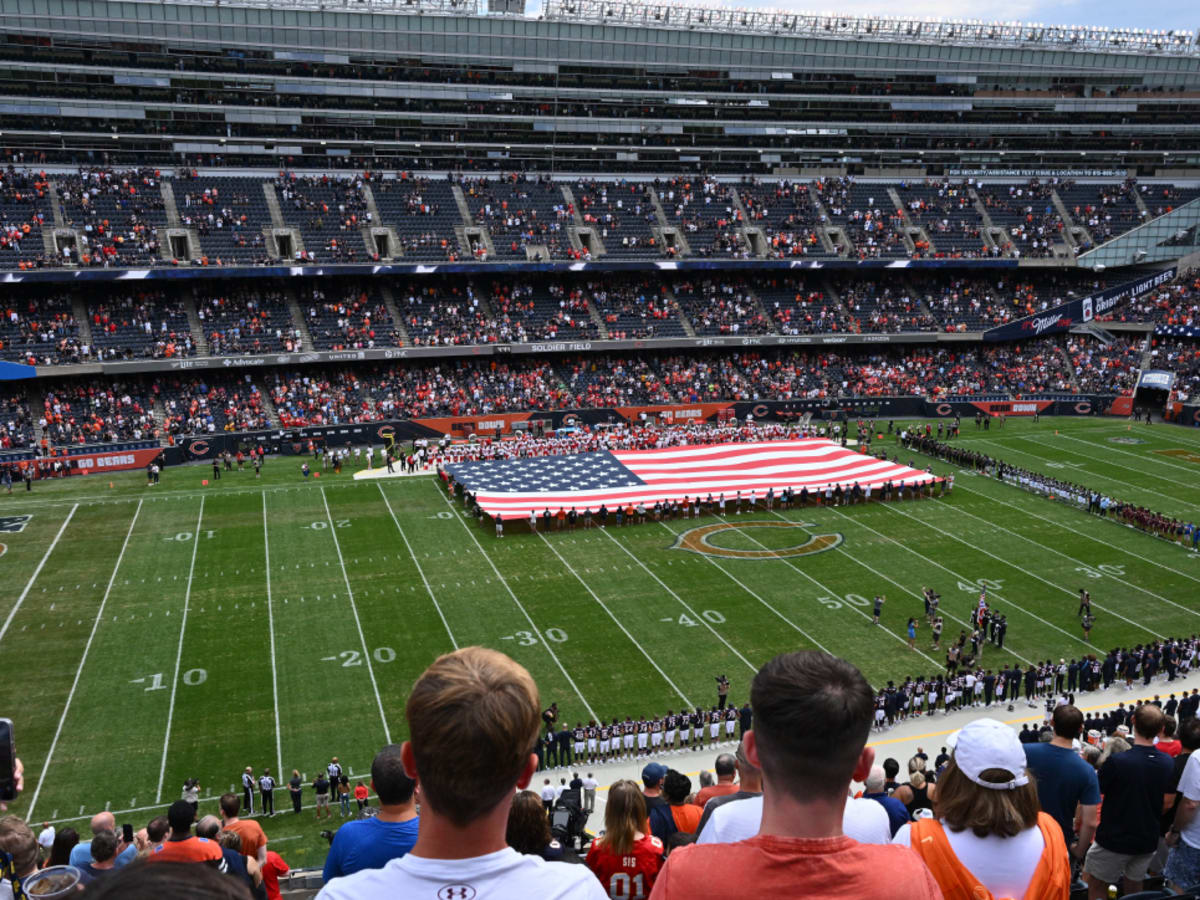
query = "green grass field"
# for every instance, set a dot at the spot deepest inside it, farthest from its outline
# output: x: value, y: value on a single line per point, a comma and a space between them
x: 152, y: 634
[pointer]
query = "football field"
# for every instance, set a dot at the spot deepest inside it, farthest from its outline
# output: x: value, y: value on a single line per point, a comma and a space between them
x: 148, y: 635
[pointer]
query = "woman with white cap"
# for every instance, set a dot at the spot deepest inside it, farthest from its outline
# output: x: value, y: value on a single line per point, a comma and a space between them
x: 988, y: 838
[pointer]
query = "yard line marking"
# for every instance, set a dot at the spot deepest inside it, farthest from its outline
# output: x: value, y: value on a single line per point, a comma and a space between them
x: 755, y: 595
x: 1013, y: 565
x: 914, y: 593
x: 83, y: 659
x: 187, y: 596
x: 420, y: 571
x: 587, y: 587
x: 937, y: 665
x: 682, y: 603
x: 36, y: 572
x: 1083, y: 534
x: 1126, y: 486
x: 387, y: 732
x: 1108, y: 462
x: 1042, y: 546
x: 1141, y: 458
x: 271, y: 629
x: 520, y: 606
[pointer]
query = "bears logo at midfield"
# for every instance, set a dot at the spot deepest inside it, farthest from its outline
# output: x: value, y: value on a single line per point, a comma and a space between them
x: 697, y: 541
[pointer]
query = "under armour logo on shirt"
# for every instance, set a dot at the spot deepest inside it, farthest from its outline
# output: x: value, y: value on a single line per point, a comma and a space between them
x: 456, y: 892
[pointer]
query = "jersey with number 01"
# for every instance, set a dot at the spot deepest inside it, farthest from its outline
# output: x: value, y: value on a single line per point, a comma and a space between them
x: 627, y: 876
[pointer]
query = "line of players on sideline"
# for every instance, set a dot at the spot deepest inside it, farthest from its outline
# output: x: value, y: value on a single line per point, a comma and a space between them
x: 639, y: 738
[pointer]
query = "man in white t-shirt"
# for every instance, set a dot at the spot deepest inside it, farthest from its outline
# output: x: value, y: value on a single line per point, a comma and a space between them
x: 589, y: 793
x: 864, y: 820
x: 1184, y: 836
x: 473, y: 717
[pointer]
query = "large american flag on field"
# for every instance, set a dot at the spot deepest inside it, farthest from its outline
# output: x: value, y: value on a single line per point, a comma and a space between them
x: 516, y: 487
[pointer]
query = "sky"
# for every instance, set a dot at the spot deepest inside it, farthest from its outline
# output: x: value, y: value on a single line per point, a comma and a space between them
x: 1164, y: 14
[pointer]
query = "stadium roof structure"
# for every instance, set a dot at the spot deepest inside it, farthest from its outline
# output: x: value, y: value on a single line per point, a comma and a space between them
x: 443, y: 7
x: 968, y: 32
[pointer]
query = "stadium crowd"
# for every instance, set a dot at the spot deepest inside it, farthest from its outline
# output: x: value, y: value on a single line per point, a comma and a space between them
x: 995, y: 813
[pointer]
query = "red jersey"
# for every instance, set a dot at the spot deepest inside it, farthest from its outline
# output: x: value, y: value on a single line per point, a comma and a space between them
x: 629, y: 876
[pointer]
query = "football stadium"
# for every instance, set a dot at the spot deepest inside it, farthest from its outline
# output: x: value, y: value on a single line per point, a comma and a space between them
x: 596, y: 448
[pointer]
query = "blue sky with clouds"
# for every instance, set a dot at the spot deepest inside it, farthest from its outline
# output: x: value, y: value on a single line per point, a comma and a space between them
x: 1164, y: 14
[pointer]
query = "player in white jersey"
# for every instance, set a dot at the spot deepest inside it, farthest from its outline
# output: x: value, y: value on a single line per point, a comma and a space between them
x: 579, y: 735
x: 656, y: 735
x: 592, y: 734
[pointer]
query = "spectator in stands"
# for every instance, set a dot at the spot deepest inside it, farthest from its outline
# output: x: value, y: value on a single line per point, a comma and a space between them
x: 812, y: 717
x: 528, y: 830
x: 231, y: 851
x: 104, y: 855
x: 749, y: 786
x: 473, y: 717
x: 254, y: 840
x: 1183, y: 834
x: 726, y: 767
x: 987, y: 836
x: 158, y: 882
x: 370, y: 843
x: 271, y: 872
x: 81, y: 854
x: 18, y: 855
x: 182, y: 845
x: 677, y: 788
x: 62, y: 846
x: 624, y: 858
x: 1133, y: 785
x: 1066, y: 785
x: 873, y: 790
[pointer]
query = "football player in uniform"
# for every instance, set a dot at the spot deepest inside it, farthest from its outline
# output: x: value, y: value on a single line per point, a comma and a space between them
x: 643, y: 736
x: 627, y: 730
x: 579, y: 735
x: 685, y: 728
x: 671, y: 723
x: 592, y: 734
x: 656, y: 735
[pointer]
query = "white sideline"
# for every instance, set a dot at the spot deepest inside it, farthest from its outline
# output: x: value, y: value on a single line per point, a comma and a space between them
x: 36, y: 572
x: 83, y: 659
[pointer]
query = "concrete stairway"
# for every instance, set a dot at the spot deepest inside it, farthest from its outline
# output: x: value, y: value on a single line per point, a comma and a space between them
x: 993, y: 236
x: 195, y: 325
x: 377, y: 228
x: 760, y: 309
x: 175, y: 227
x: 582, y: 235
x: 389, y: 303
x: 159, y: 414
x: 1073, y: 230
x: 683, y: 319
x: 832, y: 236
x: 910, y: 228
x: 597, y: 319
x: 278, y: 226
x: 753, y: 238
x: 299, y: 319
x: 463, y: 209
x: 1068, y: 368
x: 82, y: 320
x: 268, y: 406
x: 666, y: 235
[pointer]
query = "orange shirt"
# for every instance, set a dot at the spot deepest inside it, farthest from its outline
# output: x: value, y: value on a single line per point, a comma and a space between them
x: 192, y: 850
x: 687, y: 817
x: 837, y: 868
x: 252, y: 836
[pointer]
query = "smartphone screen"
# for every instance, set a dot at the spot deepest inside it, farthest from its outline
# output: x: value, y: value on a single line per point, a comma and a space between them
x: 8, y: 760
x: 127, y: 833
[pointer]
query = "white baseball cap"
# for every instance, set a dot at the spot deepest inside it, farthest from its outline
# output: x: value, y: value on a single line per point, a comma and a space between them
x: 989, y: 744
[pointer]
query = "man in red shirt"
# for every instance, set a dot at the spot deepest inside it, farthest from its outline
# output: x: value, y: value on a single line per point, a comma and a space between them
x: 812, y: 717
x: 726, y: 767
